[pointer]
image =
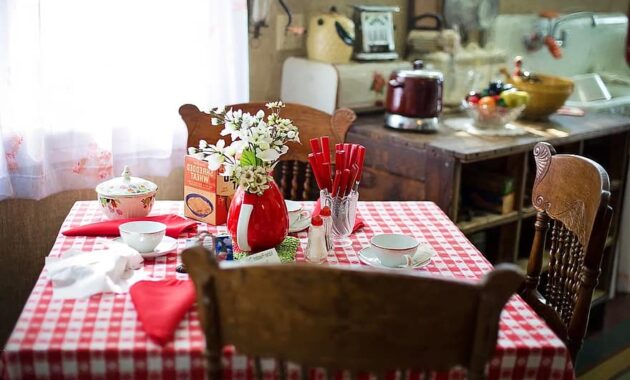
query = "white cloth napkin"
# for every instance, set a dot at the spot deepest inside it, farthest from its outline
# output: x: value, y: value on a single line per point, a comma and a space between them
x: 79, y: 274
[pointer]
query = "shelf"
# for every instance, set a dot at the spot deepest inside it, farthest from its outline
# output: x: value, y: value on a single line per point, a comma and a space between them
x: 528, y: 212
x: 487, y: 221
x: 599, y: 296
x: 615, y: 184
x: 522, y: 263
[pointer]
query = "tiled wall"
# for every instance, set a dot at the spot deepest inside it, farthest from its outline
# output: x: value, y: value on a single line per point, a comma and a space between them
x: 266, y: 61
x: 563, y: 6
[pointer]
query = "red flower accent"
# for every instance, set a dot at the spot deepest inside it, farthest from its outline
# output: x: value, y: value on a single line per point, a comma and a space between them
x: 11, y: 155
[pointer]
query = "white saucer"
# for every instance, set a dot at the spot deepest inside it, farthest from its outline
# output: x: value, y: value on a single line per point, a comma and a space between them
x: 301, y: 225
x: 167, y: 245
x: 368, y: 256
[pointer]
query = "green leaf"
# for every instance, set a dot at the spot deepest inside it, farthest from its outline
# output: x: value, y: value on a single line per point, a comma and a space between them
x: 248, y: 158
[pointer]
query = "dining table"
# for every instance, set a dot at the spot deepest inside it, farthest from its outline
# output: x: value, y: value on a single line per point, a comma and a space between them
x: 100, y: 337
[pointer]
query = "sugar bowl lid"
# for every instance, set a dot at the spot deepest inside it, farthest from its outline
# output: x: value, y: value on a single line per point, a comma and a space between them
x: 125, y: 186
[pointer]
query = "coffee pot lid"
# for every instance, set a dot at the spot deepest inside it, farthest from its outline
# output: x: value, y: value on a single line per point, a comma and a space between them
x: 419, y: 71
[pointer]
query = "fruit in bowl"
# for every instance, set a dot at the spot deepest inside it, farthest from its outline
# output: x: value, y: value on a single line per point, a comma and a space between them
x: 495, y: 105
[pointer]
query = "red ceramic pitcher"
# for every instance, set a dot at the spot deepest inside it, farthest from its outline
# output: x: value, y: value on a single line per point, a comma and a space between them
x: 258, y: 222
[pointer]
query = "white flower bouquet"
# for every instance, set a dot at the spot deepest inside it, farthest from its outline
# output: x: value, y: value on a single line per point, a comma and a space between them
x: 257, y: 144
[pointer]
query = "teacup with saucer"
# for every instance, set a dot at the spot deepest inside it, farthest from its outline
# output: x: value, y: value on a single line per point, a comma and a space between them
x: 299, y: 219
x: 147, y: 237
x: 396, y: 251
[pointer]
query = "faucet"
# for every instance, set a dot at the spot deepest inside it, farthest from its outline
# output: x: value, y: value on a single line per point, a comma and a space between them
x: 550, y: 38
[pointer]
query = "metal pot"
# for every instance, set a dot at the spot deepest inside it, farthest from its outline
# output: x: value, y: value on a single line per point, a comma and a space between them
x: 414, y: 99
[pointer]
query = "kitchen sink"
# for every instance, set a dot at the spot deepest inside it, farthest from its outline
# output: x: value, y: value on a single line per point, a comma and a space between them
x: 593, y: 43
x: 619, y: 103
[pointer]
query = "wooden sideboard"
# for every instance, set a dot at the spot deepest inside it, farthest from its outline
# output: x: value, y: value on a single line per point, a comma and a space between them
x: 411, y: 166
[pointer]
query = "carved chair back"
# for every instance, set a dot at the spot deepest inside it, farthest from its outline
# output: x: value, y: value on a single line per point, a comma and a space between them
x: 293, y: 174
x: 571, y: 194
x: 348, y: 318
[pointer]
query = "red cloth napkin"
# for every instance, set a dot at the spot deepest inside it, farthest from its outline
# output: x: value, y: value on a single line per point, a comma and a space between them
x: 358, y: 222
x: 161, y: 306
x: 175, y: 225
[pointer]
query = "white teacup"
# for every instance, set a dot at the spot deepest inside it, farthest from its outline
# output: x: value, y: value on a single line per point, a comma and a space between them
x: 394, y: 250
x: 296, y: 213
x: 143, y: 236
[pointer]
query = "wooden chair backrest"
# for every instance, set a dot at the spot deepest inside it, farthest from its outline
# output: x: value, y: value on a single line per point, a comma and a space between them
x: 572, y: 194
x: 293, y: 174
x: 345, y: 318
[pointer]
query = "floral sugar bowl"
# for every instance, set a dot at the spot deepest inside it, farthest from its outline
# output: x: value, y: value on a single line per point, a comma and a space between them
x: 126, y: 196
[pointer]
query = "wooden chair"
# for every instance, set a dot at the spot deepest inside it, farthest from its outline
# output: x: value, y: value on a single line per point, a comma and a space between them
x: 293, y: 174
x: 572, y: 194
x: 346, y: 318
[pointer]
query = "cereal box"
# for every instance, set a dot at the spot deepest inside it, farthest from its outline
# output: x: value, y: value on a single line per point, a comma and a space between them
x: 207, y: 193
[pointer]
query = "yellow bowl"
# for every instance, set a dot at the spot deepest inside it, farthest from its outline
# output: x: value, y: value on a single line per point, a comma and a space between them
x: 545, y: 96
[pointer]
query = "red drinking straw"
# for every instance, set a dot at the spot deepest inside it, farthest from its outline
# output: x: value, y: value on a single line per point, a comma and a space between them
x: 326, y: 170
x: 340, y: 160
x: 311, y: 159
x: 315, y: 145
x: 326, y: 148
x: 335, y: 187
x: 360, y: 159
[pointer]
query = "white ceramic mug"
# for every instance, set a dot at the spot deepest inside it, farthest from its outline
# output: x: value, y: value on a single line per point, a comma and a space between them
x: 143, y: 236
x: 296, y: 213
x: 394, y: 250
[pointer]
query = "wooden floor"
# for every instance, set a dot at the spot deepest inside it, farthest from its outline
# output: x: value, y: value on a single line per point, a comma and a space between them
x: 606, y: 351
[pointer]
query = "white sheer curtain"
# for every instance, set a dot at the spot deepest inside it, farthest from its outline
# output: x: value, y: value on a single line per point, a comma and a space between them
x: 88, y: 86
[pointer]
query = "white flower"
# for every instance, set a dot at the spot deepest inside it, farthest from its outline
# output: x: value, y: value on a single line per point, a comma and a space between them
x: 199, y: 156
x: 232, y: 124
x: 274, y: 104
x: 228, y: 169
x: 215, y: 161
x: 231, y: 129
x: 192, y: 150
x: 268, y: 155
x: 234, y: 148
x: 214, y: 121
x: 248, y: 176
x: 260, y: 114
x: 203, y: 144
x: 217, y: 156
x: 247, y: 121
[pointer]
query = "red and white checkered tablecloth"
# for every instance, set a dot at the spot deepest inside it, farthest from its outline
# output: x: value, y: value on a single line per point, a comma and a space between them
x: 100, y: 337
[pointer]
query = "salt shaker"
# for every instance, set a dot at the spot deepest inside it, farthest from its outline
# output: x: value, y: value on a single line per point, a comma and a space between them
x: 316, y: 251
x: 326, y: 215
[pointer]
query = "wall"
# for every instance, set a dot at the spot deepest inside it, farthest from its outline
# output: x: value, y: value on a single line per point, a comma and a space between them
x: 266, y: 61
x: 28, y: 230
x: 265, y: 66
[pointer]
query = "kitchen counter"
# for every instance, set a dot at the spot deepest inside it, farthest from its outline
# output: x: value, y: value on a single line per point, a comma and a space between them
x: 404, y: 165
x: 558, y: 130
